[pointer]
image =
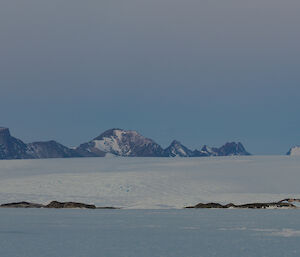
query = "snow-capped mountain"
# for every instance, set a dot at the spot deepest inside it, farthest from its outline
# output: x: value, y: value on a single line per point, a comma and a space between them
x: 294, y: 151
x: 176, y: 149
x: 121, y: 142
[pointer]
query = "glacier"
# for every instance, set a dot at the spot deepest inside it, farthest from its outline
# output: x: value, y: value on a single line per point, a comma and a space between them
x: 152, y: 192
x: 151, y: 183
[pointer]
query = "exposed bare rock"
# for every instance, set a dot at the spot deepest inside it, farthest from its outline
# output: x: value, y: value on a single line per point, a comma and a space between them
x: 53, y: 205
x: 291, y: 200
x: 281, y: 204
x: 21, y: 205
x: 265, y: 205
x: 60, y: 205
x: 207, y: 206
x: 50, y: 149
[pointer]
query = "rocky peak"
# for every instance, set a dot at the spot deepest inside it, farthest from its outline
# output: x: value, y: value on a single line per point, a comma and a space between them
x: 10, y: 147
x: 123, y: 143
x: 4, y: 135
x: 209, y: 151
x: 232, y: 148
x: 176, y: 149
x: 294, y: 151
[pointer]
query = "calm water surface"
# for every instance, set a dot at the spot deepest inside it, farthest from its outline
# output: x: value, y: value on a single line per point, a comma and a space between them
x: 149, y: 233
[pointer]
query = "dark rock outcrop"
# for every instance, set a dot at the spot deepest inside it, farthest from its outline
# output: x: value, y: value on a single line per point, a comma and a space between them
x: 53, y: 205
x: 207, y: 206
x: 67, y: 205
x: 280, y: 204
x: 21, y: 205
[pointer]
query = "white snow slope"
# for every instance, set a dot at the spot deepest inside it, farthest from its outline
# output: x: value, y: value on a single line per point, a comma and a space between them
x: 295, y: 151
x: 151, y: 183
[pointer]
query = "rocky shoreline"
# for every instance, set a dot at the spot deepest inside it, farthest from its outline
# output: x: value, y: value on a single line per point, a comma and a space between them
x: 285, y: 203
x: 54, y: 205
x: 289, y: 203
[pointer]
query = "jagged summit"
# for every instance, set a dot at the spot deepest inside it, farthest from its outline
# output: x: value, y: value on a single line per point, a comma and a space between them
x: 13, y: 148
x: 206, y: 151
x: 176, y: 149
x: 232, y: 148
x: 4, y: 133
x: 10, y: 147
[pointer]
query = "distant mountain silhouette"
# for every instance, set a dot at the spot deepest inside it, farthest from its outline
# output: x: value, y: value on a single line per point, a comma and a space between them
x: 113, y: 142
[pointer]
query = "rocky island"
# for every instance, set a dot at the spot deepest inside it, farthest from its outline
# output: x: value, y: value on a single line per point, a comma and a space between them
x: 285, y: 203
x: 53, y: 205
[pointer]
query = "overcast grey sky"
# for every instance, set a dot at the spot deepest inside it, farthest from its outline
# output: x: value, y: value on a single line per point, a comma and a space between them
x: 200, y: 71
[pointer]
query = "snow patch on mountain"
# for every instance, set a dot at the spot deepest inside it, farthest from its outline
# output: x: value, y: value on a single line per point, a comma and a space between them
x: 124, y: 143
x: 176, y: 149
x: 294, y: 151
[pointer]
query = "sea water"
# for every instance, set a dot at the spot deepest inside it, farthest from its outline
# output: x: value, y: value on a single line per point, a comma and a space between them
x: 149, y: 233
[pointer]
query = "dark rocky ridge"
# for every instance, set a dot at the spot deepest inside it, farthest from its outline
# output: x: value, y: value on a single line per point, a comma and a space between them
x: 118, y: 142
x: 66, y: 205
x: 21, y: 205
x: 51, y: 149
x: 286, y: 203
x: 53, y: 205
x: 232, y: 149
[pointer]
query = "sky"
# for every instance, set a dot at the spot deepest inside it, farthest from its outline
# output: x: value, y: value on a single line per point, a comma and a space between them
x: 201, y: 72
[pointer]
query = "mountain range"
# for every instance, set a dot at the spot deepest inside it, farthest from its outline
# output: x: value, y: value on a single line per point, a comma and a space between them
x: 113, y: 142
